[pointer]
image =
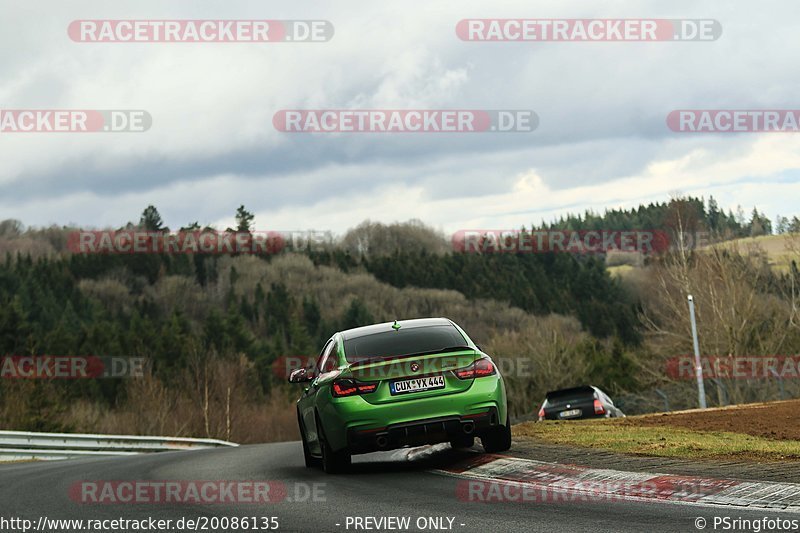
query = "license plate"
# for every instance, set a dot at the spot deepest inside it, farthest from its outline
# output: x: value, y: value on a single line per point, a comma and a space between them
x: 569, y: 414
x: 417, y: 384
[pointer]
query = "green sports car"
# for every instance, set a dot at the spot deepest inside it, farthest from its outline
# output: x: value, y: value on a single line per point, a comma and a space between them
x: 399, y: 384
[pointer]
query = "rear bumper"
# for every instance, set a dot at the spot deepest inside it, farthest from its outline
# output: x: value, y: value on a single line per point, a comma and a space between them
x: 356, y: 424
x: 554, y: 416
x: 419, y: 432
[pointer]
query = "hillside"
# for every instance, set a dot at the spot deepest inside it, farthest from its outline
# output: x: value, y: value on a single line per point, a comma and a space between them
x: 215, y: 328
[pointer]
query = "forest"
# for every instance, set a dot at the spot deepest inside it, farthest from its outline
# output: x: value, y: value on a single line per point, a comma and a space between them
x: 215, y: 328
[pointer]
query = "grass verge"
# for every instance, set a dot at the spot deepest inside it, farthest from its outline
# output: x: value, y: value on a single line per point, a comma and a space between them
x: 625, y: 436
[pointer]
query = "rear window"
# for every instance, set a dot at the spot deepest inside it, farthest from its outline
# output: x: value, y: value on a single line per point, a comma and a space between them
x: 402, y: 342
x: 569, y: 395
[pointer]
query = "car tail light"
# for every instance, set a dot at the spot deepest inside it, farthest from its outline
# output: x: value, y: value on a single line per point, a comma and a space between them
x: 541, y: 413
x: 350, y: 387
x: 480, y: 368
x: 598, y: 408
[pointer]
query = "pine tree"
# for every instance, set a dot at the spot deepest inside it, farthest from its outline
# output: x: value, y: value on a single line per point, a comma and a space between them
x: 756, y: 227
x: 14, y: 328
x: 194, y: 226
x: 311, y: 315
x: 244, y: 220
x: 151, y: 219
x: 781, y: 225
x: 713, y: 215
x: 356, y: 315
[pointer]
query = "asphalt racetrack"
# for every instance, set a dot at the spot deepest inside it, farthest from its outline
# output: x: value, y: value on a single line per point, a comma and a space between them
x: 380, y: 485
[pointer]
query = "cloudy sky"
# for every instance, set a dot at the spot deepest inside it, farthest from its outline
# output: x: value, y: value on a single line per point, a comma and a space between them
x: 602, y: 139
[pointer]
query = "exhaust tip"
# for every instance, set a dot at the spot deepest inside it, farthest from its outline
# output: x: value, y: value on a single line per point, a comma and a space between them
x: 382, y: 441
x: 468, y: 428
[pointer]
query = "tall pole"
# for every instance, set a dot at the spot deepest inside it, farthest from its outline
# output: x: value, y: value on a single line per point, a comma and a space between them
x: 698, y: 368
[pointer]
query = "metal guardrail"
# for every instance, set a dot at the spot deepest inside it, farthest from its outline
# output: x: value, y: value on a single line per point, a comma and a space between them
x: 23, y: 445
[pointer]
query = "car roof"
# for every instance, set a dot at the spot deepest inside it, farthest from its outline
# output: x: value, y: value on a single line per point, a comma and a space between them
x: 387, y: 326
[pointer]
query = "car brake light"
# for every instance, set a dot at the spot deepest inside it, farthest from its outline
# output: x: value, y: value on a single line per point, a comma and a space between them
x: 350, y: 387
x: 480, y: 368
x: 541, y: 413
x: 598, y: 408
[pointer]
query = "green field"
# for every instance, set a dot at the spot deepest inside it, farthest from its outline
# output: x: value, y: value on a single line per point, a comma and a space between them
x: 780, y: 251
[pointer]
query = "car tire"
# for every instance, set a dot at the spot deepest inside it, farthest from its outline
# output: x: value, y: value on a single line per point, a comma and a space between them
x: 332, y: 462
x: 310, y: 460
x: 466, y: 441
x: 497, y: 439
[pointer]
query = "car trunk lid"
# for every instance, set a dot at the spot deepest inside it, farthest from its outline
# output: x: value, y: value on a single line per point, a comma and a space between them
x: 414, y: 376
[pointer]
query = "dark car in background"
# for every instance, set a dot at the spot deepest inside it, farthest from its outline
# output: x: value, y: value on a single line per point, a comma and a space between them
x: 578, y: 402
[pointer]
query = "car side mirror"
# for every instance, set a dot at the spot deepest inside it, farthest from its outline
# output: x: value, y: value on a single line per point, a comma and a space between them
x: 300, y: 375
